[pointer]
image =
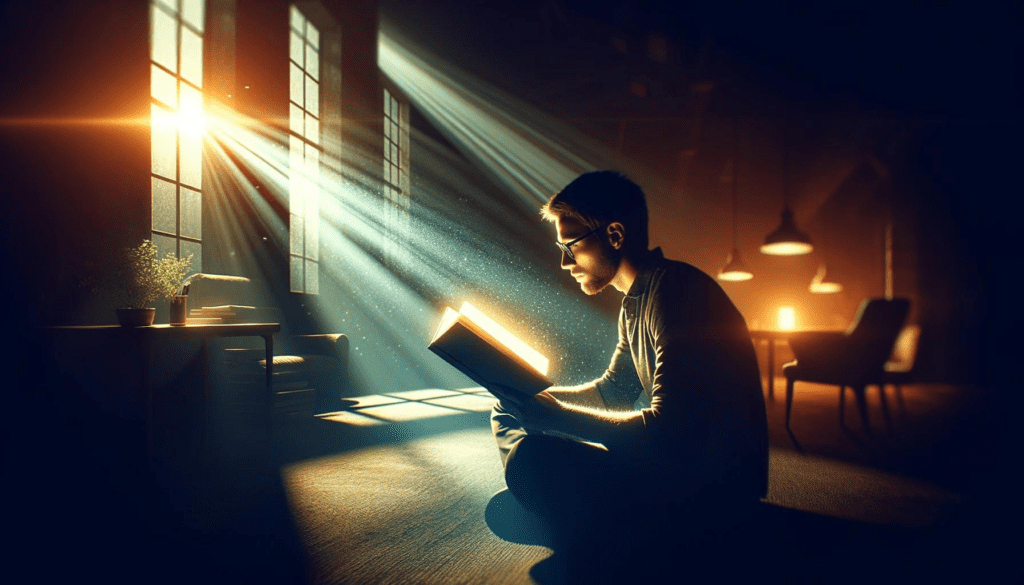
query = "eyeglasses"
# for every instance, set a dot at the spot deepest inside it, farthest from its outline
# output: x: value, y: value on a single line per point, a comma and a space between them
x: 567, y: 246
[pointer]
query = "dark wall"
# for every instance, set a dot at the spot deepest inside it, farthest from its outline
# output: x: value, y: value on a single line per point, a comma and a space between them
x: 74, y: 148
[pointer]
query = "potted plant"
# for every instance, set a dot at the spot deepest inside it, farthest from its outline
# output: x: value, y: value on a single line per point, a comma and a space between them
x: 140, y: 278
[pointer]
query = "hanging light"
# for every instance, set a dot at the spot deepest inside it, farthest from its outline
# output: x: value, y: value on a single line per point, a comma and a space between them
x: 821, y: 286
x: 734, y: 269
x: 787, y: 239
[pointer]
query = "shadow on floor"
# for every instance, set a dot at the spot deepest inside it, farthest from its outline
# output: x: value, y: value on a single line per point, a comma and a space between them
x: 774, y: 545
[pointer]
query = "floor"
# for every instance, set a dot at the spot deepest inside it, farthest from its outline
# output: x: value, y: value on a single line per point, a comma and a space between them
x: 395, y: 490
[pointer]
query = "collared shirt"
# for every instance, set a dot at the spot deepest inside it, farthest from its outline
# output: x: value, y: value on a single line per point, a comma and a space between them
x: 685, y: 360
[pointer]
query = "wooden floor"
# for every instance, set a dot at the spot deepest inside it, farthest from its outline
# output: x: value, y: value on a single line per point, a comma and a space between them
x: 394, y: 490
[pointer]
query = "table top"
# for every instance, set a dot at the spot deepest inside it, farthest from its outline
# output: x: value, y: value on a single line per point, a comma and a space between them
x: 785, y: 334
x: 187, y: 331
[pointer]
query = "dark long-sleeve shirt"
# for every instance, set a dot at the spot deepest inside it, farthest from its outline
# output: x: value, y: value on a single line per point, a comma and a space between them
x: 685, y: 360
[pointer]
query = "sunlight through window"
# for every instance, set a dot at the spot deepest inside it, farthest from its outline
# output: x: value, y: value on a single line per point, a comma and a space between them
x: 176, y: 125
x: 304, y: 154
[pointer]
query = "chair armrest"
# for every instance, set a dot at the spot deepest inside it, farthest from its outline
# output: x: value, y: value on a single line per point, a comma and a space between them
x: 329, y: 344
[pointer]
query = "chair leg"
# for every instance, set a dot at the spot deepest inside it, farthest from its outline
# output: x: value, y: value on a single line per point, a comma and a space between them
x: 862, y: 405
x: 842, y: 404
x: 885, y: 408
x: 899, y: 399
x: 789, y: 399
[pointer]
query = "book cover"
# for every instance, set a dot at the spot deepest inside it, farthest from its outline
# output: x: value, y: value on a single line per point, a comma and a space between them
x: 488, y: 353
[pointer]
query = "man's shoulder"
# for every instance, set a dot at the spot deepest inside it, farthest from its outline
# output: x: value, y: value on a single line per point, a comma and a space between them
x: 666, y: 271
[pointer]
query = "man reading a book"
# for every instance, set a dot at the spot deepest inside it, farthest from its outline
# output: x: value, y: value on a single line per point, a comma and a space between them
x: 676, y: 426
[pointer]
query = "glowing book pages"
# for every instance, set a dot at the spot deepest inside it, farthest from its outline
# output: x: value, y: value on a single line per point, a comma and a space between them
x: 487, y: 353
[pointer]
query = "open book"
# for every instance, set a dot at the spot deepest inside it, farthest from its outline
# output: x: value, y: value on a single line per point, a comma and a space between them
x: 487, y: 353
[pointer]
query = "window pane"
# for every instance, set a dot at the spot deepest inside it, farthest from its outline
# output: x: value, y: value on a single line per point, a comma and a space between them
x: 313, y: 62
x: 192, y: 57
x: 312, y: 277
x: 387, y: 103
x: 312, y: 230
x: 312, y: 129
x: 387, y: 172
x: 298, y: 228
x: 295, y: 46
x: 165, y: 245
x: 192, y: 13
x: 191, y: 171
x: 296, y: 83
x: 296, y: 274
x: 191, y: 214
x: 295, y: 170
x: 394, y: 108
x: 394, y: 131
x: 171, y: 5
x: 163, y: 86
x: 196, y: 250
x: 164, y: 141
x: 312, y: 97
x: 165, y: 40
x: 295, y: 119
x: 312, y: 35
x: 298, y: 21
x: 191, y: 136
x: 164, y: 204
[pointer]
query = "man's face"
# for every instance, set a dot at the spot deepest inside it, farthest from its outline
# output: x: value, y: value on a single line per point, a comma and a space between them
x: 594, y: 263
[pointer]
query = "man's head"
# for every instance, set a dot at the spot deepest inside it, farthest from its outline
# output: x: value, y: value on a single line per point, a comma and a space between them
x: 607, y: 214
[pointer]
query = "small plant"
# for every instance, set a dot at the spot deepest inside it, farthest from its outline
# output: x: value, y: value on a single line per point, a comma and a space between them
x: 140, y: 278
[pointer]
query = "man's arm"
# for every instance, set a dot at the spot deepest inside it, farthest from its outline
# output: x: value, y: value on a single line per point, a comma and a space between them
x: 584, y: 395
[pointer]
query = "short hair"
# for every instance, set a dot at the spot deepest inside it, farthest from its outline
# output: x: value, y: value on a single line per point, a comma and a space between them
x: 601, y: 197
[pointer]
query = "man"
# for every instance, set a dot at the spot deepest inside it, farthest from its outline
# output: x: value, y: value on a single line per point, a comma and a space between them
x: 676, y: 427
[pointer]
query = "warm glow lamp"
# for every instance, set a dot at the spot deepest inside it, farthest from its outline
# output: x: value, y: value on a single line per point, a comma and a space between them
x: 787, y: 319
x: 786, y: 240
x: 734, y: 269
x: 821, y: 286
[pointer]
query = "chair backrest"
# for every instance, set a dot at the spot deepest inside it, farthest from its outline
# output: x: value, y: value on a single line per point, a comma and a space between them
x: 874, y: 330
x: 904, y: 352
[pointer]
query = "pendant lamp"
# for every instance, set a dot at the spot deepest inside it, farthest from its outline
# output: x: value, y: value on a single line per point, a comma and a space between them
x: 787, y: 239
x: 734, y: 269
x: 821, y: 286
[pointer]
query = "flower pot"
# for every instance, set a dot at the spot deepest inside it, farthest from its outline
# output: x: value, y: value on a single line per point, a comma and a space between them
x: 136, y: 317
x: 179, y: 309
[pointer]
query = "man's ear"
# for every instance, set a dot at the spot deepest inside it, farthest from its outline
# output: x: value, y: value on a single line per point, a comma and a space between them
x: 616, y: 235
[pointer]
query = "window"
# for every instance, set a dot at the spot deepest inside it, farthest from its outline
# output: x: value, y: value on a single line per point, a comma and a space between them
x: 176, y: 122
x: 305, y: 153
x: 396, y: 172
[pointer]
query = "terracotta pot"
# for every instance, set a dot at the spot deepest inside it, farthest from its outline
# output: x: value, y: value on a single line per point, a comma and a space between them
x: 136, y: 317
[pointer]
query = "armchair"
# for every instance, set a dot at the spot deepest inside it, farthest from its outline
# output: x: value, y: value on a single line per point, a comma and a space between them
x: 854, y: 358
x: 310, y: 371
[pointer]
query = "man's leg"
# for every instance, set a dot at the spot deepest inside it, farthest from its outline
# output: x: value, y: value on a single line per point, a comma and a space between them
x: 507, y: 430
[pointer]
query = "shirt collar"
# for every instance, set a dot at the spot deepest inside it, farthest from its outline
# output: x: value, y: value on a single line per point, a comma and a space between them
x: 646, y: 271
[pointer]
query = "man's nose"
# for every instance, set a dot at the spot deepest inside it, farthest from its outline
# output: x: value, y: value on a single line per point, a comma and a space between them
x: 567, y: 261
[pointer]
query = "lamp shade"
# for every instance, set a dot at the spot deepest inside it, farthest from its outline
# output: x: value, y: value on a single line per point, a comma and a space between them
x: 734, y: 269
x: 821, y: 286
x: 787, y: 240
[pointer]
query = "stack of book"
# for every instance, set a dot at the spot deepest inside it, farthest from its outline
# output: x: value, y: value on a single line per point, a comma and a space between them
x: 221, y: 314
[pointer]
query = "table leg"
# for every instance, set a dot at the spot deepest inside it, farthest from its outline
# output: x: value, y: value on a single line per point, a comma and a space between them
x: 771, y: 369
x: 268, y: 342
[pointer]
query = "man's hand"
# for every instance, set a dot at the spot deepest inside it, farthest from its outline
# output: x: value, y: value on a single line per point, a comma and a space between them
x: 541, y: 412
